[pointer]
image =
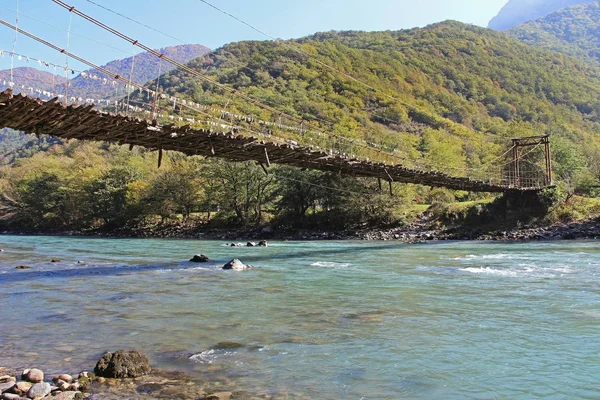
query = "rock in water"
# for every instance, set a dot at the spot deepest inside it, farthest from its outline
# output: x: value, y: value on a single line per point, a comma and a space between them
x: 236, y: 265
x: 199, y: 258
x: 263, y: 243
x: 33, y: 375
x: 122, y: 364
x: 22, y: 267
x: 250, y: 244
x: 39, y: 390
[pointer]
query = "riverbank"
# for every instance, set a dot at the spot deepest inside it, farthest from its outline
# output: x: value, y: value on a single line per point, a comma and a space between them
x: 420, y: 231
x: 155, y: 384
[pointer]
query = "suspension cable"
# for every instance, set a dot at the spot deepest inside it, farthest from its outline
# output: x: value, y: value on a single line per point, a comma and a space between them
x: 12, y: 53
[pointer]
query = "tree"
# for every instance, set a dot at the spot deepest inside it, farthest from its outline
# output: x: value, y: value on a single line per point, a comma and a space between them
x: 108, y: 195
x: 296, y: 193
x: 240, y: 189
x: 178, y: 189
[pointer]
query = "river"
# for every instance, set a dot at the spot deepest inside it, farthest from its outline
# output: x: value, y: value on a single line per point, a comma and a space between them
x: 326, y: 320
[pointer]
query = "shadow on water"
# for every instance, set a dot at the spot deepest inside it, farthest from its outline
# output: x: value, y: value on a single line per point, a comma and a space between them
x: 115, y: 270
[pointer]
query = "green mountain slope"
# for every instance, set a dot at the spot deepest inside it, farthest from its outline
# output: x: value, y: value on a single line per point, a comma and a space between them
x: 460, y: 78
x: 574, y: 31
x: 516, y: 12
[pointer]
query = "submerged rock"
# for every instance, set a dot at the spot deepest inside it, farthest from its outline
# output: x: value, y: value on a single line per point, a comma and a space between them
x: 228, y: 346
x: 236, y: 265
x: 200, y: 258
x: 55, y: 260
x: 22, y: 267
x: 219, y: 396
x: 122, y: 364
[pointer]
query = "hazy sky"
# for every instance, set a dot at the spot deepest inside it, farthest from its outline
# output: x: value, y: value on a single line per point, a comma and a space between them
x: 192, y: 21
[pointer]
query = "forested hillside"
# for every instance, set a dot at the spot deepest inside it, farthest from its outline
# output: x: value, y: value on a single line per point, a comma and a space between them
x: 516, y: 12
x: 448, y: 96
x: 459, y: 78
x: 574, y: 31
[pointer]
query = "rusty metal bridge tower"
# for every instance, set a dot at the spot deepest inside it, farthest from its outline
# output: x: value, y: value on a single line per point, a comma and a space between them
x: 531, y: 165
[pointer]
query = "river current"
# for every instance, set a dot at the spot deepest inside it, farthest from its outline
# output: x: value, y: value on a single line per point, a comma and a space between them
x: 324, y: 320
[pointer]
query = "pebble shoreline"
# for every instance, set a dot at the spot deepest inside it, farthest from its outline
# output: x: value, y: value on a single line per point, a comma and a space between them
x: 128, y: 378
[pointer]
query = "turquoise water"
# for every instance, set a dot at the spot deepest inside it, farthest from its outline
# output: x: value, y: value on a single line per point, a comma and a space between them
x: 326, y: 320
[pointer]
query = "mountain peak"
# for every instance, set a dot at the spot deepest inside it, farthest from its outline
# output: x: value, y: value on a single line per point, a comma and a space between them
x: 516, y: 12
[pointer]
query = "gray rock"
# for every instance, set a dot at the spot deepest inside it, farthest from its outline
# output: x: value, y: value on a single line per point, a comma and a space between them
x: 250, y: 244
x: 70, y: 395
x: 12, y: 396
x: 236, y: 265
x: 263, y: 243
x: 199, y: 258
x: 4, y: 387
x: 39, y: 390
x: 122, y: 364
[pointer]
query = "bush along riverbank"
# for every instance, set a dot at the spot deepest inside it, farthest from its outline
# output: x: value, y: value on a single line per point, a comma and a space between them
x: 121, y: 375
x: 510, y: 217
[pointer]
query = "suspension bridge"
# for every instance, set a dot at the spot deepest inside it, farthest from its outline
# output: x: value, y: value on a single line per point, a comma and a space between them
x: 51, y: 117
x: 525, y: 167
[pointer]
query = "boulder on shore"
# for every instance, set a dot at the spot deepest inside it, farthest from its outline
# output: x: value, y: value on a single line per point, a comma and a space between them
x: 122, y: 364
x: 236, y: 265
x: 39, y: 390
x: 200, y: 258
x: 33, y: 375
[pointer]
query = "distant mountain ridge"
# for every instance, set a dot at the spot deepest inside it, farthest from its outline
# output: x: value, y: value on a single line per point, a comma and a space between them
x: 574, y: 31
x: 146, y: 68
x: 517, y: 12
x: 30, y: 77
